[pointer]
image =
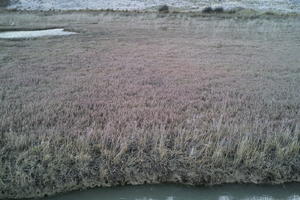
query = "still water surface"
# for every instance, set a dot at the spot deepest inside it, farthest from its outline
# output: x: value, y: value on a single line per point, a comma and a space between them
x: 179, y: 192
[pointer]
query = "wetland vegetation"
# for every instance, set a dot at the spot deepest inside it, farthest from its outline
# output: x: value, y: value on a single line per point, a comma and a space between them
x: 143, y: 98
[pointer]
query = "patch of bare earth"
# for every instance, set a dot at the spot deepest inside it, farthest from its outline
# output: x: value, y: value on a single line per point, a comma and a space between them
x: 139, y: 99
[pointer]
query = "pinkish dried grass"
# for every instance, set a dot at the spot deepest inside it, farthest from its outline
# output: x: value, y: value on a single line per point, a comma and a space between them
x: 85, y: 111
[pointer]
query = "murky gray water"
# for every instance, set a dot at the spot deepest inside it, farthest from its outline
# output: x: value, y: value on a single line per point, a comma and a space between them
x: 179, y: 192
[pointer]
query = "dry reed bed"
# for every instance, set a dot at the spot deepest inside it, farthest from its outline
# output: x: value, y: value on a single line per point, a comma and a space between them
x: 197, y: 101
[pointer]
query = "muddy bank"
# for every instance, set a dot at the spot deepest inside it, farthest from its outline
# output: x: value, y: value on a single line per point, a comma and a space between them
x: 147, y: 98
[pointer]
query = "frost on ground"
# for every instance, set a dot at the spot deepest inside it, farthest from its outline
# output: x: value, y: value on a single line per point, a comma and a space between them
x: 184, y: 5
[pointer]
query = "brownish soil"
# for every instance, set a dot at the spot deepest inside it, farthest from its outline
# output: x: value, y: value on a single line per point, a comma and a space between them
x: 141, y: 98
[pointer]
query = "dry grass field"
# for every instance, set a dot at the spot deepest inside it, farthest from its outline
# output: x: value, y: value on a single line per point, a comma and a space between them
x: 140, y: 98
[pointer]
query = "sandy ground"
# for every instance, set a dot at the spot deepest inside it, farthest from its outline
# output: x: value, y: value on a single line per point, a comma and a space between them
x: 215, y: 98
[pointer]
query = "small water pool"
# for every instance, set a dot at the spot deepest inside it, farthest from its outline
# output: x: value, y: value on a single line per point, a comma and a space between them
x: 34, y: 33
x: 180, y: 192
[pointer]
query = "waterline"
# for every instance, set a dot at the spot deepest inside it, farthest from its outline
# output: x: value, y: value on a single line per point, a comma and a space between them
x: 180, y: 192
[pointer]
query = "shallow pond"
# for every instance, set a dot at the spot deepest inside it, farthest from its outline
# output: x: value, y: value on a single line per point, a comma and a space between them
x: 179, y: 192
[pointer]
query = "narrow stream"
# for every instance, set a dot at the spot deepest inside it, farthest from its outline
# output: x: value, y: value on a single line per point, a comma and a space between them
x: 180, y: 192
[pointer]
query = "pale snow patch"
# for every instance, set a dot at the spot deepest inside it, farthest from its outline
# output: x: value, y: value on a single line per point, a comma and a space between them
x: 34, y: 34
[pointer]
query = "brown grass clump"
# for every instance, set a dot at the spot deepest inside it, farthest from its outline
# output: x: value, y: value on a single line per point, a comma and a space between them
x: 138, y: 99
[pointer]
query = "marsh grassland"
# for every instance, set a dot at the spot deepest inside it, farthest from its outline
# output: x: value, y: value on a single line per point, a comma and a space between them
x: 141, y: 98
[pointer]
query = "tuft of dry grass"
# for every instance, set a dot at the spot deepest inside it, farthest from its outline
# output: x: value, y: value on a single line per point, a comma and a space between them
x: 139, y: 99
